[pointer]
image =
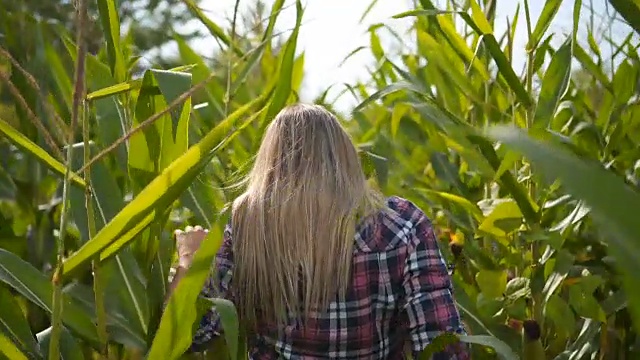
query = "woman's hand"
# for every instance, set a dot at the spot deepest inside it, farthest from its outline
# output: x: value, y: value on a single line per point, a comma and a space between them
x: 187, y: 242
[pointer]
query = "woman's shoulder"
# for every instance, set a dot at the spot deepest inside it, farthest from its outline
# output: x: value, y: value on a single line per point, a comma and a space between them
x: 405, y: 209
x: 392, y: 225
x: 399, y: 203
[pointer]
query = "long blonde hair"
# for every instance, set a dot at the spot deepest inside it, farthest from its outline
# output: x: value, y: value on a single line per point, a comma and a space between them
x: 294, y: 225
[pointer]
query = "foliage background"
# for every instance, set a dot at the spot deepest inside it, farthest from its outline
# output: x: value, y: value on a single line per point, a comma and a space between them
x: 531, y: 177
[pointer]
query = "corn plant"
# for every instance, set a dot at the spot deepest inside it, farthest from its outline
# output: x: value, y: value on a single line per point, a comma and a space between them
x: 531, y: 179
x: 147, y: 160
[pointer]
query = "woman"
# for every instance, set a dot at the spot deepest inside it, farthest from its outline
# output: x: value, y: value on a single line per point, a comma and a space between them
x: 317, y: 262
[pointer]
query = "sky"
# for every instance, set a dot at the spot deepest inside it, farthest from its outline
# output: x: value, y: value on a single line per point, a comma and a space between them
x: 331, y: 30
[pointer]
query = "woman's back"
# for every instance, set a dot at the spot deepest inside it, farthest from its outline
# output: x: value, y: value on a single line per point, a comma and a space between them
x: 399, y: 294
x: 311, y: 239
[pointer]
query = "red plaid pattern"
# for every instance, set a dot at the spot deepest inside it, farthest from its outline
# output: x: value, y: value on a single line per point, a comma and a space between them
x: 401, y: 294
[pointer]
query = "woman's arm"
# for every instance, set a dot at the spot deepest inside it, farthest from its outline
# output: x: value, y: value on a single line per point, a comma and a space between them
x: 187, y: 243
x: 429, y: 307
x: 179, y: 273
x: 216, y: 286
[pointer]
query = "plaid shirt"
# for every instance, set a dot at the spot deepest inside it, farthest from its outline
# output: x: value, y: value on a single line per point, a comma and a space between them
x: 400, y: 294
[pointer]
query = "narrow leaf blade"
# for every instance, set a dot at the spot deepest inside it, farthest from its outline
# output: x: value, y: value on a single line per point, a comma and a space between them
x: 39, y: 153
x: 615, y: 209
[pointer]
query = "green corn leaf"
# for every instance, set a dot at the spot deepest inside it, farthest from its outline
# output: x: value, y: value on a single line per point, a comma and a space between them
x: 546, y: 16
x: 283, y: 89
x: 459, y: 200
x: 155, y: 147
x: 175, y: 334
x: 503, y: 350
x: 489, y: 40
x: 36, y: 288
x: 506, y: 70
x: 128, y: 86
x: 119, y: 327
x: 230, y: 325
x: 60, y: 73
x: 39, y: 153
x: 111, y: 28
x: 160, y: 192
x: 10, y: 350
x: 213, y: 28
x: 125, y: 288
x: 613, y: 204
x: 69, y: 347
x: 594, y: 70
x: 14, y: 325
x: 479, y: 18
x: 555, y: 84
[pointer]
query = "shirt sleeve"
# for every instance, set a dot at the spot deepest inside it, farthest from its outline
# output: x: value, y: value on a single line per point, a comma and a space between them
x: 429, y: 305
x: 216, y: 286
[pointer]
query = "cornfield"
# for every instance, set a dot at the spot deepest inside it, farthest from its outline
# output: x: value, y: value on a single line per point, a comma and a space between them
x: 531, y: 177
